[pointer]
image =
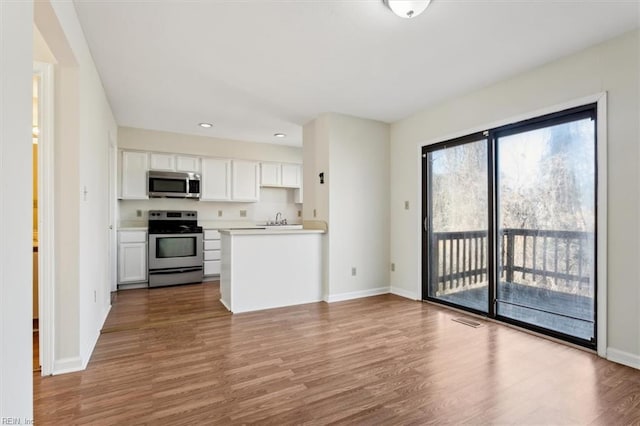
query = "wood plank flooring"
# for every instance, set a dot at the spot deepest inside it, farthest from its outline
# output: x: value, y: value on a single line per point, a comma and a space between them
x: 173, y: 356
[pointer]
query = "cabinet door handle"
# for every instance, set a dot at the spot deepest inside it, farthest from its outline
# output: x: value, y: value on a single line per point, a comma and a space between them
x: 425, y: 223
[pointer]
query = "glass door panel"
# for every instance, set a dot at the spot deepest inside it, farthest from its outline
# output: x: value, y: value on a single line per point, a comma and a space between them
x: 546, y: 226
x: 456, y: 225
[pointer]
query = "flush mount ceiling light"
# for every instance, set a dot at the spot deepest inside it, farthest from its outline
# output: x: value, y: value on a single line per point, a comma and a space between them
x: 279, y: 135
x: 205, y: 125
x: 407, y: 8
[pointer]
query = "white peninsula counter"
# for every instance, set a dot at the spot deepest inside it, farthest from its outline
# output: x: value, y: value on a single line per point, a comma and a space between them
x: 264, y: 268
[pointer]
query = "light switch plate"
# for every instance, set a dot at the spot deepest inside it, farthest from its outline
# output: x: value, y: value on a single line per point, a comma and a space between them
x: 243, y: 213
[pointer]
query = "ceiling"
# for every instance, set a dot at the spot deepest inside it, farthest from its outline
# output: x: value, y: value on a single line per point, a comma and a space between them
x: 257, y: 67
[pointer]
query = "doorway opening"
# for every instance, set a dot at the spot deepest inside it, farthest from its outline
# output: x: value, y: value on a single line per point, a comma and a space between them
x: 35, y: 136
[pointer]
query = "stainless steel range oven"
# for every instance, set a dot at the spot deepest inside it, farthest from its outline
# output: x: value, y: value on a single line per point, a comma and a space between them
x: 175, y: 248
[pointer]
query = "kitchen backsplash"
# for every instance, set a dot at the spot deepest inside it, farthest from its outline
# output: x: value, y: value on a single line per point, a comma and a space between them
x: 272, y: 201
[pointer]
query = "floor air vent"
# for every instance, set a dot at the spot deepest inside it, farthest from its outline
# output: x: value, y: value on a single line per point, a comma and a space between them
x: 468, y: 322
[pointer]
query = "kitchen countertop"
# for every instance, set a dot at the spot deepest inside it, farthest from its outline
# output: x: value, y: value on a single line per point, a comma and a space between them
x: 141, y: 225
x: 270, y: 231
x: 234, y: 225
x: 132, y: 225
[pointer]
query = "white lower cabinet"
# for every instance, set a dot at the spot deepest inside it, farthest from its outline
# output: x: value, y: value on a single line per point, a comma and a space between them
x: 211, y: 252
x: 132, y: 257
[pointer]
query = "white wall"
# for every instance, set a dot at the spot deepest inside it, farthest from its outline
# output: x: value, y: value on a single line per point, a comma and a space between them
x: 16, y: 35
x: 359, y: 205
x: 353, y: 153
x: 612, y: 67
x: 272, y: 200
x: 41, y: 51
x: 83, y: 120
x: 315, y: 149
x: 152, y: 140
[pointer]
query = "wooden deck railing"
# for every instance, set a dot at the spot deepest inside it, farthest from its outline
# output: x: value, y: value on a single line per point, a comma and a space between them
x: 527, y: 256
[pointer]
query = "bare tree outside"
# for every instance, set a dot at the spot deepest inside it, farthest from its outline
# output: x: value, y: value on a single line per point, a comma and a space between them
x: 546, y: 217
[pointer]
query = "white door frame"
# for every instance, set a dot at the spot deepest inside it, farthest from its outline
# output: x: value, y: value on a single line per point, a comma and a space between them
x: 112, y: 155
x: 46, y: 255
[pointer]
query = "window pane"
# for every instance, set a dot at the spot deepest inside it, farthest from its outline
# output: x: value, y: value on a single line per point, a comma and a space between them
x: 457, y: 237
x: 546, y: 235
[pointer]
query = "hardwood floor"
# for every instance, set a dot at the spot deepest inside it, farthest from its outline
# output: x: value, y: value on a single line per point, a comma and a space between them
x: 176, y: 356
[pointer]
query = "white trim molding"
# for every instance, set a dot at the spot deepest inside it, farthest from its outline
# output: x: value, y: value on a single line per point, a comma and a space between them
x: 67, y: 365
x: 622, y: 357
x: 339, y: 297
x: 86, y: 356
x: 601, y: 224
x: 399, y: 291
x: 46, y: 224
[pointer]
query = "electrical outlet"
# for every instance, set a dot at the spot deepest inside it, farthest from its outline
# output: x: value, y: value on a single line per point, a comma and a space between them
x: 393, y: 267
x: 299, y: 213
x: 353, y: 271
x: 138, y: 213
x: 314, y: 212
x: 406, y: 205
x: 243, y: 213
x: 219, y: 213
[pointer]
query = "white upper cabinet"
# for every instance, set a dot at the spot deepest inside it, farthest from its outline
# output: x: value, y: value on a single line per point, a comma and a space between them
x: 291, y: 175
x: 174, y: 163
x: 187, y: 164
x: 280, y: 175
x: 220, y: 179
x: 166, y: 162
x: 216, y: 180
x: 245, y: 181
x: 270, y: 174
x: 298, y: 193
x: 134, y: 175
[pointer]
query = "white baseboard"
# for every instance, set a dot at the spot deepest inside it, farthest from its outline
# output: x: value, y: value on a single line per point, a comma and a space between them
x: 225, y: 304
x: 79, y: 363
x: 622, y: 357
x: 86, y: 356
x: 404, y: 293
x: 67, y: 365
x: 330, y: 298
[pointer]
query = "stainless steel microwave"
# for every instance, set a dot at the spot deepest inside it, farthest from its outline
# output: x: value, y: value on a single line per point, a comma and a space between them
x: 173, y: 184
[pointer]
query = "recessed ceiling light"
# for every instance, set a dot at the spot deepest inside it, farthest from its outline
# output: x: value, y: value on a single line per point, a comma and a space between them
x: 205, y: 125
x: 279, y: 135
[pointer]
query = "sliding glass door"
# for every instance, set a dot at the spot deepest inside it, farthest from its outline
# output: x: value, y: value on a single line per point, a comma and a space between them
x: 510, y: 224
x: 546, y: 216
x: 457, y: 223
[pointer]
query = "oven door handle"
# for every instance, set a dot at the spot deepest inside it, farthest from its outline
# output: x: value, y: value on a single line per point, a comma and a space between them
x: 174, y: 270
